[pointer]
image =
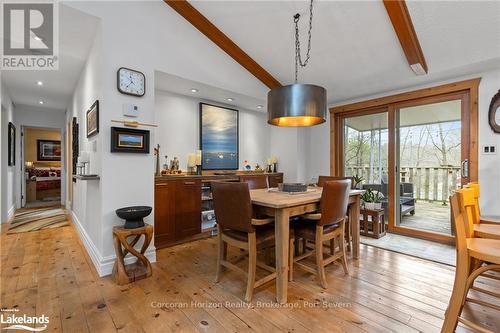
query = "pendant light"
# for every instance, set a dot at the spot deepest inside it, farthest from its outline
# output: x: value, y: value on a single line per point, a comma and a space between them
x: 298, y: 104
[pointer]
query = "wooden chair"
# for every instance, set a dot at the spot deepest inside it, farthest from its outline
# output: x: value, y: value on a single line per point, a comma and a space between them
x: 348, y: 226
x: 475, y: 256
x: 477, y: 191
x: 327, y: 225
x: 323, y: 179
x: 255, y: 182
x: 233, y: 212
x: 470, y: 207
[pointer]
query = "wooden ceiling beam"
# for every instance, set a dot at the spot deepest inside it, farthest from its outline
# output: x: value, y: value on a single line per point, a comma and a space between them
x: 403, y: 26
x: 200, y: 22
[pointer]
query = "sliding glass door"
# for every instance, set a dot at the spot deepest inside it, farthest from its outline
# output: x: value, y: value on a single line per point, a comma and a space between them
x: 431, y: 161
x: 412, y: 155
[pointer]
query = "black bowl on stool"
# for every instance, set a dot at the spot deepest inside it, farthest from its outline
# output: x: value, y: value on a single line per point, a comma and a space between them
x: 134, y: 216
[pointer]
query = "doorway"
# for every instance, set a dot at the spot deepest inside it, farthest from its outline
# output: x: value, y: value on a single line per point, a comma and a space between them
x: 41, y: 157
x: 412, y: 150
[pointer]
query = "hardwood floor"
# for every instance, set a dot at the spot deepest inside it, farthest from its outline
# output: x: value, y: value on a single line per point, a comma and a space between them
x: 48, y: 272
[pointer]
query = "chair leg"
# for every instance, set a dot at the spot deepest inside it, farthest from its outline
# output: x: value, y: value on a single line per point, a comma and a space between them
x: 297, y: 247
x: 252, y: 265
x: 348, y: 233
x: 222, y: 250
x: 342, y: 248
x: 290, y: 258
x: 332, y: 246
x: 319, y: 257
x: 458, y: 294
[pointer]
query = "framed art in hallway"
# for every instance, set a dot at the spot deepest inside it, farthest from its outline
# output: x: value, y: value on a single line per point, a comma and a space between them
x: 219, y: 137
x: 93, y: 119
x: 48, y: 150
x: 12, y: 145
x: 129, y: 140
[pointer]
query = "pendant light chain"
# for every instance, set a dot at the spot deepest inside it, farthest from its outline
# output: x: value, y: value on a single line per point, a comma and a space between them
x: 298, y: 57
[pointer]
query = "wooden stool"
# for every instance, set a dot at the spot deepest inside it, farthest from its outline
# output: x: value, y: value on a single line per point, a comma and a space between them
x: 140, y: 269
x: 373, y: 223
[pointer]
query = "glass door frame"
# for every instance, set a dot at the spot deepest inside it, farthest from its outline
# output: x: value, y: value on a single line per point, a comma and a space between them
x: 467, y: 91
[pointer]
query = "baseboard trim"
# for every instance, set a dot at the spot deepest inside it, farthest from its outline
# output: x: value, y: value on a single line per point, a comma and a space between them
x: 104, y: 265
x: 10, y: 213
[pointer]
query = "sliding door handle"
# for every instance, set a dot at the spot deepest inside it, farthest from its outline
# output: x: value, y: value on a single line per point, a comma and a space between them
x: 465, y: 168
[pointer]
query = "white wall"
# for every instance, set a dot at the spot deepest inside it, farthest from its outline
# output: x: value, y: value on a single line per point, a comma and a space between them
x: 177, y: 117
x: 489, y: 165
x: 7, y: 173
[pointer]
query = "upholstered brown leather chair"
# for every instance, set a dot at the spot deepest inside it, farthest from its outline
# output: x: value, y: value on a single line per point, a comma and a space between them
x: 327, y: 225
x: 255, y: 182
x: 348, y: 227
x: 233, y: 213
x: 323, y: 179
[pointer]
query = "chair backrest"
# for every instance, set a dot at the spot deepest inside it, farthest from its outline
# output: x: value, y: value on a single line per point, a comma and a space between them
x: 255, y: 182
x: 477, y: 192
x: 323, y: 179
x: 467, y: 207
x: 461, y: 234
x: 233, y: 206
x: 334, y: 201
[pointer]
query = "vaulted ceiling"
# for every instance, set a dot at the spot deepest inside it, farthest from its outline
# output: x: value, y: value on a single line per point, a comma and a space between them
x: 355, y: 51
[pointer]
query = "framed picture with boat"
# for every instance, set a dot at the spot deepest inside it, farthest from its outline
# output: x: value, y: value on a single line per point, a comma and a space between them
x: 129, y: 140
x: 219, y: 137
x: 48, y: 150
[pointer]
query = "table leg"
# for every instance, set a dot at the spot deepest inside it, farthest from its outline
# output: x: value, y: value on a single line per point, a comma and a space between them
x: 282, y: 227
x: 354, y: 215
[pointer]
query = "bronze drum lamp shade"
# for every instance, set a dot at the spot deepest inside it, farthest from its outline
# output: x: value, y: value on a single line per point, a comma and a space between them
x: 296, y: 105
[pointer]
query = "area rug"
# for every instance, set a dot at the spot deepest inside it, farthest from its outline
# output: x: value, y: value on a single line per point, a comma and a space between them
x: 38, y: 219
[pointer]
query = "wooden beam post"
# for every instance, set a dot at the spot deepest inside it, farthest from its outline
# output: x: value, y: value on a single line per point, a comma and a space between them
x: 403, y: 26
x: 200, y: 22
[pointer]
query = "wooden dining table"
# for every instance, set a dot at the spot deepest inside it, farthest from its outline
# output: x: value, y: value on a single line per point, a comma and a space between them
x: 282, y: 206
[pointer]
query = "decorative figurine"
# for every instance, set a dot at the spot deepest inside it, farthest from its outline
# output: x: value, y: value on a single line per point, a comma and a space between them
x: 247, y: 165
x: 157, y: 154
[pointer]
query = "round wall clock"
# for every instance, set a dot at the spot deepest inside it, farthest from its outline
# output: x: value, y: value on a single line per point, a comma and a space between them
x: 131, y: 82
x: 494, y: 113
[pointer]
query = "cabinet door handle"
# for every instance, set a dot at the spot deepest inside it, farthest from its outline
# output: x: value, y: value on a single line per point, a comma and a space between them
x: 161, y: 184
x: 189, y: 183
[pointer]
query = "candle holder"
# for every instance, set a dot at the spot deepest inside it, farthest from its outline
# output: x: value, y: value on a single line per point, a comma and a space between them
x: 192, y: 170
x: 198, y: 169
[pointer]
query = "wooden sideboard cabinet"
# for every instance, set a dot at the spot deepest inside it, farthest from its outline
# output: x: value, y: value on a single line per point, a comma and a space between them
x: 177, y: 210
x: 178, y: 205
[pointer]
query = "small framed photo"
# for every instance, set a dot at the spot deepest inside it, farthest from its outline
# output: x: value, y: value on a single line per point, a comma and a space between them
x: 129, y: 140
x: 93, y: 119
x: 11, y: 145
x: 48, y: 150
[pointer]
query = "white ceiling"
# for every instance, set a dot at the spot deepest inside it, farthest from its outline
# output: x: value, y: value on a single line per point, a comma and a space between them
x: 178, y: 85
x: 76, y: 34
x: 355, y: 51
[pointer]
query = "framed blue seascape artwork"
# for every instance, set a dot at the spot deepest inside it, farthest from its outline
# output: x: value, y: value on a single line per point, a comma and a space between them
x: 218, y: 137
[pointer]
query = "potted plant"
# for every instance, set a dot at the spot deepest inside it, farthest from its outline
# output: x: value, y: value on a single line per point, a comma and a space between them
x: 357, y: 181
x: 377, y: 197
x: 368, y: 199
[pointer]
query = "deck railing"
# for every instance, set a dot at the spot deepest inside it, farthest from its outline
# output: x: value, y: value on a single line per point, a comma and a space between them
x: 429, y: 183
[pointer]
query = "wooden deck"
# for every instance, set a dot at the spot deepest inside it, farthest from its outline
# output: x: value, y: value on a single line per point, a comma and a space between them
x: 48, y: 272
x: 429, y: 216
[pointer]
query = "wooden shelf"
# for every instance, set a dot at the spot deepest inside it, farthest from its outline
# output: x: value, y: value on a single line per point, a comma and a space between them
x: 83, y: 177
